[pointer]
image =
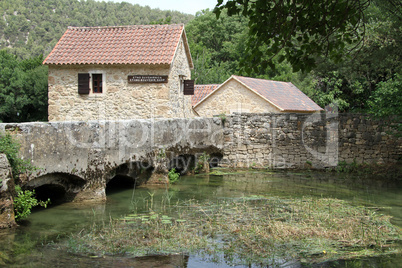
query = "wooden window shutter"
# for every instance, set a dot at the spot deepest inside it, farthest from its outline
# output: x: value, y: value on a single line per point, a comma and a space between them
x: 188, y: 87
x: 83, y: 83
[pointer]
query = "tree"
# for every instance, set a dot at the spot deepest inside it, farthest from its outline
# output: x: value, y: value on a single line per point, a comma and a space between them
x: 303, y: 29
x: 216, y: 45
x: 23, y: 89
x: 387, y: 98
x: 352, y: 83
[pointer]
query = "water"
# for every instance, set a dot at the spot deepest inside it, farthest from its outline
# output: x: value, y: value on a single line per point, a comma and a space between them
x: 36, y: 244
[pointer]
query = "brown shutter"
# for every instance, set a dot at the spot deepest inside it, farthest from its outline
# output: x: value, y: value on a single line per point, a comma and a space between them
x: 188, y: 87
x: 83, y: 83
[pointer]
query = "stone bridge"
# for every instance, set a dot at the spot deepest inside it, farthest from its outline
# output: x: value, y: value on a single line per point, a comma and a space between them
x: 77, y: 160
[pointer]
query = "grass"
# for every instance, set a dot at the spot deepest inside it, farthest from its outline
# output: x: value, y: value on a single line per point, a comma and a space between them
x: 253, y: 229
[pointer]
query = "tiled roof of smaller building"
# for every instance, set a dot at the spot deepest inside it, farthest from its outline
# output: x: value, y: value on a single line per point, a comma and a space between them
x: 284, y: 95
x: 136, y: 44
x: 201, y: 91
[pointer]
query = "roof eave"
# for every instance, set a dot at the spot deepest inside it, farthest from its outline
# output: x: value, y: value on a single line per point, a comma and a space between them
x: 187, y: 48
x: 302, y: 111
x: 115, y: 64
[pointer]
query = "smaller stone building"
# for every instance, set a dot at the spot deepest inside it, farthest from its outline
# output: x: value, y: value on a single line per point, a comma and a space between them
x: 251, y: 95
x: 120, y: 72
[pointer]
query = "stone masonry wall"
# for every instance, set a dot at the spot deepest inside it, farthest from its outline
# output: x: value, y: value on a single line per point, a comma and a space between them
x: 6, y: 191
x: 119, y: 99
x: 302, y: 141
x: 234, y: 97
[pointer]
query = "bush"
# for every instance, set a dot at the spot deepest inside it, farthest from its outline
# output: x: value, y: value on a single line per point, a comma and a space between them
x: 173, y: 175
x: 24, y: 202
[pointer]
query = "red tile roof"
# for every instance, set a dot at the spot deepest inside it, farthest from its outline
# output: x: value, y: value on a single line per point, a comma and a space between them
x: 137, y: 44
x: 201, y: 91
x: 283, y: 95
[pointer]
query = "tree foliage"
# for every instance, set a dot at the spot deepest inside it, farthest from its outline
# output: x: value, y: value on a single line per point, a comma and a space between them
x: 216, y: 46
x: 359, y: 77
x: 387, y: 98
x: 23, y: 89
x: 302, y: 29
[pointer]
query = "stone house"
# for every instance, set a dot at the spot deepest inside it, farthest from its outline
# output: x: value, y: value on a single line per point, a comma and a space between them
x: 250, y: 95
x: 120, y: 72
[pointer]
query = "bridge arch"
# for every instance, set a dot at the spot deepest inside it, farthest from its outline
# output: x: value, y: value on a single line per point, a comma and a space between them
x: 58, y: 186
x: 129, y: 175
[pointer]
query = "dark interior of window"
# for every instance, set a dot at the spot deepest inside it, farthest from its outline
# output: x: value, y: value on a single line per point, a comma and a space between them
x: 97, y: 83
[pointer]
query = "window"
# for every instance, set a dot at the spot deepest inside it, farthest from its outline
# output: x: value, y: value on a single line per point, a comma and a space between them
x: 97, y: 83
x: 84, y: 82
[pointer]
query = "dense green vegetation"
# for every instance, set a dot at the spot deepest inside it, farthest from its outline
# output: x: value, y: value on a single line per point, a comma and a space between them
x: 299, y: 29
x: 23, y: 88
x: 367, y: 79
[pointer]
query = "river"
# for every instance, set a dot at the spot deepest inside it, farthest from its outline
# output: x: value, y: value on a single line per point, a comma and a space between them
x: 36, y: 242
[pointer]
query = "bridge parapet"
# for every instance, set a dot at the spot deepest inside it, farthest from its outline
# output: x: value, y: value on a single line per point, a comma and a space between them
x: 91, y: 151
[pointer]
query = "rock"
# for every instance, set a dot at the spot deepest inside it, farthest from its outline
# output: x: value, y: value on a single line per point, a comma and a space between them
x: 159, y: 175
x: 7, y: 218
x: 158, y: 179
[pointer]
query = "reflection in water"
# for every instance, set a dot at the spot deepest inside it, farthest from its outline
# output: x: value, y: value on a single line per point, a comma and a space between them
x: 36, y: 243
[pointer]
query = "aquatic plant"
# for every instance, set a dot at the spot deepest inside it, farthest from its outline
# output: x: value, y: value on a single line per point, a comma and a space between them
x: 173, y: 175
x: 254, y: 229
x: 202, y: 164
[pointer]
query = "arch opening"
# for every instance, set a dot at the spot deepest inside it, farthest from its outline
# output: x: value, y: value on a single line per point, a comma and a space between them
x: 58, y: 187
x: 183, y: 164
x: 215, y: 160
x: 56, y: 193
x: 128, y: 175
x: 119, y: 183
